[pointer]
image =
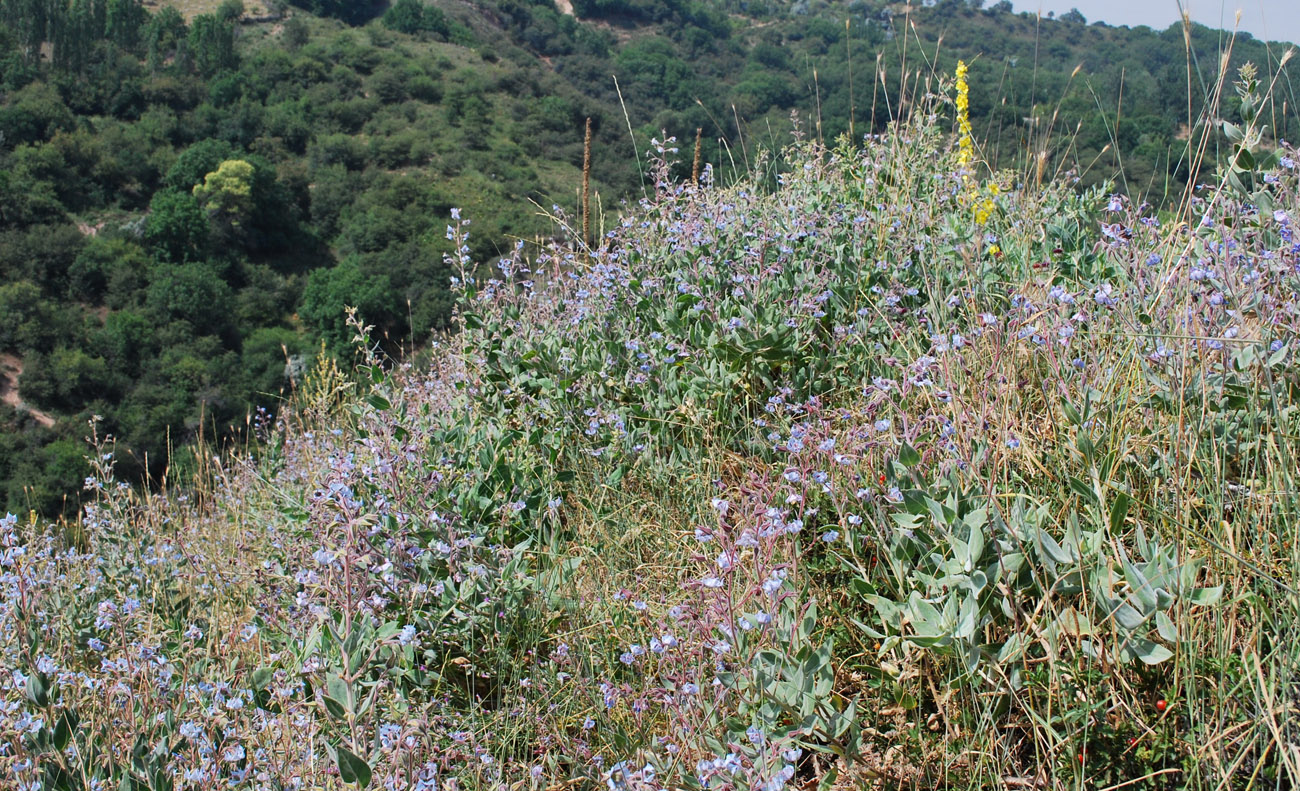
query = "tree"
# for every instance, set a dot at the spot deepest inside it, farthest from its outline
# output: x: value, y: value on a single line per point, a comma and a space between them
x: 227, y: 192
x: 107, y: 271
x: 353, y: 12
x: 330, y: 292
x: 296, y: 33
x: 125, y: 341
x: 195, y: 162
x: 34, y: 113
x: 29, y: 19
x: 176, y: 228
x: 165, y: 36
x: 212, y: 42
x: 194, y: 293
x: 123, y: 23
x: 230, y: 10
x: 265, y: 357
x: 29, y: 320
x: 405, y: 16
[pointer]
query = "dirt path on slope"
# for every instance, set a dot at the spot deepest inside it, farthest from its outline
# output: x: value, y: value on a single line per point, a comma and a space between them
x: 11, y: 368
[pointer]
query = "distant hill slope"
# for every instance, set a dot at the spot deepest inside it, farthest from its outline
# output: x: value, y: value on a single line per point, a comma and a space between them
x: 193, y: 8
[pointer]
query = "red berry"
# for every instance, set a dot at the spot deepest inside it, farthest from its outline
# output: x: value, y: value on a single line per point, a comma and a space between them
x: 1161, y: 705
x: 1133, y: 741
x: 882, y: 478
x: 1080, y: 757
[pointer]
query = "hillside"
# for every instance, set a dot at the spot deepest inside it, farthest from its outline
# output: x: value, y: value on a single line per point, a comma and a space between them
x: 174, y: 314
x: 880, y: 473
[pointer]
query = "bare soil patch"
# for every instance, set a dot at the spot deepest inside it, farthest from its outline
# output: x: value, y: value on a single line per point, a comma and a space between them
x: 11, y: 368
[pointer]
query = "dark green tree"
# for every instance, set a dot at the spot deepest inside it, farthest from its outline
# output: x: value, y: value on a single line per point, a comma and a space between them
x: 194, y: 293
x: 330, y: 292
x: 405, y: 16
x: 212, y: 44
x: 177, y: 229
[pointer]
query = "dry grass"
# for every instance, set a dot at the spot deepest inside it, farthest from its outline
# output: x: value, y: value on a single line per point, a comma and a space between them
x: 192, y: 8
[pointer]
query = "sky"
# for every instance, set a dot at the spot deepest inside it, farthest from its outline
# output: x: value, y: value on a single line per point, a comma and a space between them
x: 1270, y: 20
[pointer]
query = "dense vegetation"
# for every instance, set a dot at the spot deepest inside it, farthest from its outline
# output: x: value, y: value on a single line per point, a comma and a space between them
x: 873, y: 465
x: 187, y: 206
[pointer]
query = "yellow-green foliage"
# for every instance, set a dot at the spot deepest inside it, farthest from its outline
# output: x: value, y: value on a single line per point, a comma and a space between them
x: 228, y: 190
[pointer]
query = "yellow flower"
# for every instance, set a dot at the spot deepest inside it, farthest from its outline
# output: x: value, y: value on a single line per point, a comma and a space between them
x: 965, y: 145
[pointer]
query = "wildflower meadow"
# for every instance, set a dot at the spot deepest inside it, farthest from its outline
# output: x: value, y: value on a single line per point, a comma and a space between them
x: 873, y: 469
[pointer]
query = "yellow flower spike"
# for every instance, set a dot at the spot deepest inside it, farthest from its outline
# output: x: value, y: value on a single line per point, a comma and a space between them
x: 965, y: 145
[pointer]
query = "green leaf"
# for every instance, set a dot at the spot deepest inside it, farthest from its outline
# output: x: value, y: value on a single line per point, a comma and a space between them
x: 260, y: 678
x: 1071, y: 413
x: 1137, y: 581
x: 908, y: 456
x: 335, y: 708
x: 1166, y: 628
x: 1012, y: 648
x: 64, y: 728
x: 1048, y: 546
x: 1150, y: 653
x: 1128, y: 616
x: 615, y: 477
x: 808, y: 623
x: 1118, y: 510
x: 38, y: 689
x: 352, y: 768
x: 1082, y: 489
x: 1206, y: 597
x: 1084, y: 443
x: 967, y: 618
